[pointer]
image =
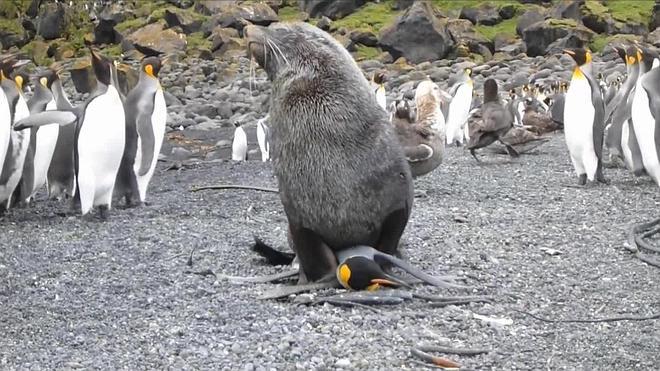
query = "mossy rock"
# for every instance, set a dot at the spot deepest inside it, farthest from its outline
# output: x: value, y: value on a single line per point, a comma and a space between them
x: 38, y: 51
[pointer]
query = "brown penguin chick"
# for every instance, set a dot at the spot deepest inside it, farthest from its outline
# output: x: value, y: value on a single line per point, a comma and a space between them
x: 496, y: 121
x: 423, y: 140
x: 538, y: 122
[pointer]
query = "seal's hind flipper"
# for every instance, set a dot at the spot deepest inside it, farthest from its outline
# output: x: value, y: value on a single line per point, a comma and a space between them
x: 285, y: 291
x: 273, y: 256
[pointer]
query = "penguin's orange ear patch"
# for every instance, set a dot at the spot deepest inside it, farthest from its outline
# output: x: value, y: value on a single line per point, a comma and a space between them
x: 149, y: 69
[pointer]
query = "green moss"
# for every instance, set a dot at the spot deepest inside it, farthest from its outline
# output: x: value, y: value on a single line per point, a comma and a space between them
x: 596, y: 8
x: 370, y: 17
x: 506, y: 28
x: 37, y: 49
x: 131, y: 25
x: 11, y: 25
x: 290, y: 14
x: 638, y: 11
x: 599, y: 42
x: 197, y: 42
x: 366, y: 52
x: 13, y: 8
x: 562, y: 22
x: 147, y: 8
x: 159, y: 13
x: 113, y: 51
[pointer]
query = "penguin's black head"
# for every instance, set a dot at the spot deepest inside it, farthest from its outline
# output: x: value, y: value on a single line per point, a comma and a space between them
x: 379, y: 77
x: 631, y: 55
x: 151, y: 66
x: 102, y: 66
x: 361, y: 273
x: 9, y: 64
x: 490, y: 91
x: 581, y: 56
x: 622, y: 52
x: 20, y: 77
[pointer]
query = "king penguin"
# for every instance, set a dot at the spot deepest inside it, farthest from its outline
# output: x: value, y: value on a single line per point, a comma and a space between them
x: 584, y: 113
x: 239, y: 145
x: 263, y: 138
x: 646, y: 111
x: 42, y: 140
x: 378, y: 81
x: 12, y: 167
x: 61, y: 172
x: 146, y: 114
x: 459, y: 109
x: 5, y: 116
x: 99, y: 141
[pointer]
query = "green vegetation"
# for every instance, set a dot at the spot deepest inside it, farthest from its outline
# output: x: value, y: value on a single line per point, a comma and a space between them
x: 599, y: 42
x: 290, y: 14
x: 366, y: 52
x: 370, y: 17
x: 505, y: 28
x: 596, y: 8
x: 562, y: 22
x: 637, y: 11
x: 37, y: 49
x: 13, y: 8
x: 197, y: 42
x: 131, y: 24
x: 11, y: 25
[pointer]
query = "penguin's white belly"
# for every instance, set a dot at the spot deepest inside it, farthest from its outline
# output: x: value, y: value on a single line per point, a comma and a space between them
x: 578, y: 127
x: 261, y: 138
x: 45, y: 147
x: 459, y: 110
x: 20, y: 143
x: 100, y: 148
x: 5, y: 127
x: 381, y: 98
x: 239, y: 145
x: 644, y: 125
x: 521, y: 113
x: 158, y: 120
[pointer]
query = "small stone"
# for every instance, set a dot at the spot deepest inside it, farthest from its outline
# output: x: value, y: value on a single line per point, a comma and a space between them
x: 343, y: 363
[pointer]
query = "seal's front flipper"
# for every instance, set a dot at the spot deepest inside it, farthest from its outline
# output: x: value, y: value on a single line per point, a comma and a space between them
x: 317, y: 261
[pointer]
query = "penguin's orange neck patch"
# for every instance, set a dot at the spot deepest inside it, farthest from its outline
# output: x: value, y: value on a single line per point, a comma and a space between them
x: 577, y: 73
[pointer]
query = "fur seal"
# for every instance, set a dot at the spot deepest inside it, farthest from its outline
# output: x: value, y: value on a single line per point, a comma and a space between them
x: 342, y: 175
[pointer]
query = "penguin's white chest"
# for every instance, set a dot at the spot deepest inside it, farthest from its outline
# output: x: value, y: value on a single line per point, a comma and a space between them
x: 625, y: 136
x: 459, y: 110
x: 644, y: 124
x: 45, y: 147
x: 20, y: 142
x: 381, y: 98
x: 239, y: 146
x: 5, y: 126
x: 579, y: 117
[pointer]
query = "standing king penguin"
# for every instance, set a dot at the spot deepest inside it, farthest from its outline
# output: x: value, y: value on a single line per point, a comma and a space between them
x: 146, y: 114
x: 459, y: 109
x: 99, y: 140
x: 584, y: 114
x: 239, y: 147
x: 263, y: 138
x: 12, y: 167
x: 42, y: 140
x: 646, y: 112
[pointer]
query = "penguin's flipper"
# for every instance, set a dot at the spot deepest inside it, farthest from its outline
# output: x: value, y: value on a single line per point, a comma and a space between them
x: 418, y: 153
x: 147, y: 139
x: 380, y: 258
x: 61, y: 118
x: 651, y: 83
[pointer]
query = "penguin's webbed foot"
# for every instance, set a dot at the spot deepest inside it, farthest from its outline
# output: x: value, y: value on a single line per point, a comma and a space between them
x: 474, y: 154
x: 104, y: 212
x: 582, y: 179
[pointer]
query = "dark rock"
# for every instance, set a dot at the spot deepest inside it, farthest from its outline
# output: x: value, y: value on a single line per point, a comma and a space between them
x: 324, y: 23
x: 365, y: 38
x: 630, y: 28
x: 402, y: 4
x: 567, y: 9
x: 206, y: 55
x: 655, y: 18
x: 227, y: 14
x: 418, y: 35
x: 507, y: 11
x: 33, y: 9
x: 569, y: 41
x: 183, y: 4
x: 10, y: 39
x: 117, y: 12
x: 170, y: 99
x: 105, y: 33
x: 82, y: 76
x: 654, y: 37
x: 224, y: 110
x: 508, y: 44
x: 540, y: 35
x: 222, y: 39
x: 187, y: 24
x: 332, y: 9
x: 462, y: 32
x: 529, y: 18
x: 155, y: 37
x: 487, y: 14
x: 54, y: 21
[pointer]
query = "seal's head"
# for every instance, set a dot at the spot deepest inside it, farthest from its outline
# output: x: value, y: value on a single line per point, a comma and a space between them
x: 296, y: 47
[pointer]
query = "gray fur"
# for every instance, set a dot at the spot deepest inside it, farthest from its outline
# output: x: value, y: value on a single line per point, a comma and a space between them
x: 342, y: 175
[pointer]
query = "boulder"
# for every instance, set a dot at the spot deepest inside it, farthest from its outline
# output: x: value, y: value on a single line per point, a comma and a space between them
x: 402, y: 4
x: 222, y: 39
x: 486, y: 14
x: 654, y: 38
x: 82, y: 76
x: 324, y: 23
x: 187, y: 23
x: 462, y: 33
x: 238, y: 16
x: 183, y: 4
x: 332, y: 9
x: 156, y: 37
x: 105, y: 33
x: 567, y: 9
x: 366, y: 38
x: 540, y: 35
x: 418, y: 35
x: 597, y: 18
x: 117, y: 12
x: 655, y: 18
x: 53, y: 21
x: 508, y: 44
x: 127, y: 77
x: 507, y: 11
x: 528, y: 18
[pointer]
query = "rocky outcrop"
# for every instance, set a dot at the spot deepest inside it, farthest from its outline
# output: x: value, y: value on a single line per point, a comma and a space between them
x: 332, y: 9
x: 82, y: 76
x: 54, y: 21
x: 655, y: 17
x: 529, y: 18
x: 418, y: 35
x: 567, y: 9
x: 224, y: 39
x: 238, y: 16
x: 463, y: 34
x: 540, y: 35
x: 156, y: 37
x: 187, y: 23
x: 366, y: 38
x: 486, y: 14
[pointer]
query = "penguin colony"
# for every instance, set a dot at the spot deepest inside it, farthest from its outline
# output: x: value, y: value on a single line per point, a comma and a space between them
x: 106, y: 146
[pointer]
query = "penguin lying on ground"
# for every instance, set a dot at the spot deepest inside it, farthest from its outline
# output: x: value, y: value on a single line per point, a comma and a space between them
x: 496, y: 121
